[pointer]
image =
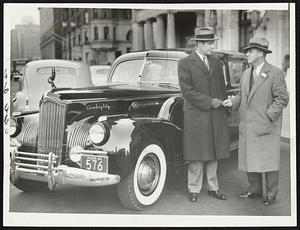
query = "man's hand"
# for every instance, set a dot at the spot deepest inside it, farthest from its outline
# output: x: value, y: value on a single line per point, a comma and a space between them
x: 227, y: 103
x: 216, y: 103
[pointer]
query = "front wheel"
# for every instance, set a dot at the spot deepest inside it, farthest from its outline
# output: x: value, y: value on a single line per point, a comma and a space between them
x: 144, y: 185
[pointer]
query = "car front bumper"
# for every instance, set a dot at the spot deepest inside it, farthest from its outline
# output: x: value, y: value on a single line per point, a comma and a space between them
x: 44, y: 170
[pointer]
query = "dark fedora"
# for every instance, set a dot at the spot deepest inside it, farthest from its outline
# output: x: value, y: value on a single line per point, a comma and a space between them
x: 258, y: 43
x: 204, y: 34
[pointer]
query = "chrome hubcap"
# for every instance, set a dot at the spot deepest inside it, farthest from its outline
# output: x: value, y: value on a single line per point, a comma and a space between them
x: 148, y: 174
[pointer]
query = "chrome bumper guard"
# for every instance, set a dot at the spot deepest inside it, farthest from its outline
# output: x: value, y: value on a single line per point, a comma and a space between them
x: 62, y: 174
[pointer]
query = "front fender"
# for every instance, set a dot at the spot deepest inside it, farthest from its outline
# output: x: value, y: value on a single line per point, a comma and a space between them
x: 125, y: 133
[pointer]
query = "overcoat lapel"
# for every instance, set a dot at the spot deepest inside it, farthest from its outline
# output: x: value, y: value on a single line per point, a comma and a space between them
x: 247, y: 82
x: 259, y: 81
x: 199, y: 63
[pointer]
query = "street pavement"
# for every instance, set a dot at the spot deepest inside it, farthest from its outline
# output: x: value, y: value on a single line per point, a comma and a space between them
x: 174, y: 200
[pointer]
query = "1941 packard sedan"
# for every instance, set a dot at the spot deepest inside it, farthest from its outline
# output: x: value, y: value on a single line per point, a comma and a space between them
x: 128, y: 132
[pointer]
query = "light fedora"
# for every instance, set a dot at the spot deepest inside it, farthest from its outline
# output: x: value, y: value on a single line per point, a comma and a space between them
x: 204, y: 34
x: 258, y: 43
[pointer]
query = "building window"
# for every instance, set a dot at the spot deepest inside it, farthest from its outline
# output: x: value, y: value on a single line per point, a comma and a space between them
x: 95, y: 13
x: 86, y: 17
x: 106, y: 32
x: 127, y: 14
x: 96, y: 36
x: 87, y: 58
x: 79, y: 39
x: 118, y: 53
x: 129, y: 36
x: 86, y: 38
x: 115, y: 33
x: 105, y: 14
x: 114, y: 14
x: 74, y: 40
x: 128, y: 50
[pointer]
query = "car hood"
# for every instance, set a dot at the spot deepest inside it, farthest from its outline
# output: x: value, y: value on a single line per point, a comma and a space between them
x: 115, y: 91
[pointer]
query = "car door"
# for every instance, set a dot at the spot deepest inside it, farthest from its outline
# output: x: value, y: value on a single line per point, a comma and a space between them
x: 233, y: 69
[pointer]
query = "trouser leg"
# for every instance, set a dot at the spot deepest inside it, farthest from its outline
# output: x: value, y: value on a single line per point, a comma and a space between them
x: 211, y: 175
x: 255, y: 181
x: 195, y: 176
x: 272, y: 179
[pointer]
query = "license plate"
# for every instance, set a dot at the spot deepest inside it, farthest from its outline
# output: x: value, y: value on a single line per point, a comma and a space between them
x: 95, y: 163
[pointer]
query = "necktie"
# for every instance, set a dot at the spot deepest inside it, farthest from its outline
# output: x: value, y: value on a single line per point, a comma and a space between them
x: 205, y: 62
x: 253, y: 77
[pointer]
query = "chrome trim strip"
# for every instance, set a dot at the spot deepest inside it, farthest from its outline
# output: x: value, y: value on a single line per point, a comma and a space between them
x: 31, y: 166
x: 34, y: 154
x: 31, y: 159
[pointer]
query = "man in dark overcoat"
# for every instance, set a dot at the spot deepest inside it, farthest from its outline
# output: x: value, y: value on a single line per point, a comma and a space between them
x: 262, y: 97
x: 206, y: 135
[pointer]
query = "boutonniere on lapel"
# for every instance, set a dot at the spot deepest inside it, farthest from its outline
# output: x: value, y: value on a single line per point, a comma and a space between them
x: 264, y: 75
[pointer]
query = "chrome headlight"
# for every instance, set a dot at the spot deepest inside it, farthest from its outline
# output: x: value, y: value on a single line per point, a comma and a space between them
x: 15, y: 127
x: 75, y: 153
x: 98, y: 133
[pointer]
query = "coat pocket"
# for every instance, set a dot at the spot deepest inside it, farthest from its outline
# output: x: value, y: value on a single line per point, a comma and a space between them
x: 263, y: 128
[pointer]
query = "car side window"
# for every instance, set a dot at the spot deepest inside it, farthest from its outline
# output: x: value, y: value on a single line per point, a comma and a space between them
x: 236, y: 68
x: 127, y: 72
x: 153, y: 70
x: 171, y: 74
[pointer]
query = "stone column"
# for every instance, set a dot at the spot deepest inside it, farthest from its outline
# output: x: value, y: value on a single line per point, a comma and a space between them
x: 140, y: 36
x: 135, y: 36
x: 207, y: 18
x: 171, y: 38
x: 160, y: 34
x: 200, y: 18
x: 148, y: 35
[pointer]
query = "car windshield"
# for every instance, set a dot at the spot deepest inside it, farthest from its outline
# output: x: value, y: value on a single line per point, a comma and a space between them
x: 127, y: 72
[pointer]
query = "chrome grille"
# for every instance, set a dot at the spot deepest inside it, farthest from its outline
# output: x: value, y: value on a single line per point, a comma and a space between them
x: 51, y: 127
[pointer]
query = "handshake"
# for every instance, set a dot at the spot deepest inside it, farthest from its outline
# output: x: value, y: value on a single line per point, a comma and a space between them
x: 216, y: 103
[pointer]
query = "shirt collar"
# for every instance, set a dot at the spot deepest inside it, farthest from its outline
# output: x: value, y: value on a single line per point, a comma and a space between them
x: 200, y: 55
x: 258, y: 68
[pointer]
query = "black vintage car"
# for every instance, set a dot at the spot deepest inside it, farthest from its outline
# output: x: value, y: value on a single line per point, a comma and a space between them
x: 128, y: 132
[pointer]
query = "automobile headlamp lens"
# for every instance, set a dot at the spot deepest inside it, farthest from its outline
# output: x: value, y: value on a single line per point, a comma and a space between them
x: 13, y: 127
x: 75, y: 153
x: 97, y: 133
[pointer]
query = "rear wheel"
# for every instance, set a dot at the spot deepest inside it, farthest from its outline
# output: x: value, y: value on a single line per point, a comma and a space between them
x: 144, y: 185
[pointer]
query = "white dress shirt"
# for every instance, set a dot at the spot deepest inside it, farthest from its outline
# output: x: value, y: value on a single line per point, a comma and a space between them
x: 202, y: 58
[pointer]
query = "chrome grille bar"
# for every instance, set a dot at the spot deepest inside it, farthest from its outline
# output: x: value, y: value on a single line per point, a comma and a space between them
x: 31, y: 159
x: 34, y: 154
x: 51, y: 128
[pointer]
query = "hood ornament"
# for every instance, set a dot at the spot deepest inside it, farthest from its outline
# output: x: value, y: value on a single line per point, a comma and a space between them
x: 52, y: 78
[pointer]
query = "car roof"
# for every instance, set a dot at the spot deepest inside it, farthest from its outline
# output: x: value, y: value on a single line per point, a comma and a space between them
x: 178, y: 54
x: 56, y: 62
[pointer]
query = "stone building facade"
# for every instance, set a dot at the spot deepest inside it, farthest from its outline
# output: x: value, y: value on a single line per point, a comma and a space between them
x: 160, y: 29
x: 51, y: 33
x: 95, y: 36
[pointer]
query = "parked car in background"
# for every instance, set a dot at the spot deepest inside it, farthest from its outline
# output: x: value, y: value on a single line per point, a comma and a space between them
x: 127, y: 133
x: 99, y: 74
x: 37, y: 80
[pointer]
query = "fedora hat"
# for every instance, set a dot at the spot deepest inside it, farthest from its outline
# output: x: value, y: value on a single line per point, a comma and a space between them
x: 204, y: 34
x: 258, y: 43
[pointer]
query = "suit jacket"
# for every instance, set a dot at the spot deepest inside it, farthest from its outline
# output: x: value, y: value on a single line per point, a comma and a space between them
x: 206, y: 134
x: 260, y: 111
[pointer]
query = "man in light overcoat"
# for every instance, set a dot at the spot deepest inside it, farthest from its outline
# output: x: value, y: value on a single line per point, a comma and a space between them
x: 206, y: 135
x: 263, y: 95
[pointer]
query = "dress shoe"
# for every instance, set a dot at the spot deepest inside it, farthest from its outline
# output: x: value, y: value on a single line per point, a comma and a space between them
x: 217, y: 194
x: 269, y: 200
x: 249, y: 195
x: 193, y: 197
